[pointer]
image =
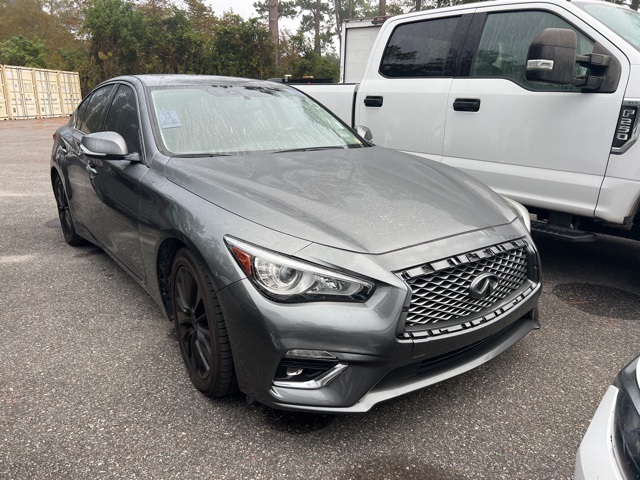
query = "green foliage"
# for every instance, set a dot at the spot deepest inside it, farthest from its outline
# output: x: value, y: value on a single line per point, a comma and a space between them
x: 117, y: 32
x: 243, y: 48
x: 299, y: 59
x: 172, y: 45
x: 105, y: 38
x: 23, y: 52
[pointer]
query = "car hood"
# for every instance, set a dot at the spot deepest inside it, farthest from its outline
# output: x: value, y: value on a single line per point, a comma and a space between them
x: 367, y: 200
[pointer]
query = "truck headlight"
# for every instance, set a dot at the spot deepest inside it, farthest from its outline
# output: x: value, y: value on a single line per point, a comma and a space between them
x: 285, y: 279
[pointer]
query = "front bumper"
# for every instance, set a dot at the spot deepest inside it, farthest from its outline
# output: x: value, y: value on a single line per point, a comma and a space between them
x: 597, y: 458
x: 383, y: 361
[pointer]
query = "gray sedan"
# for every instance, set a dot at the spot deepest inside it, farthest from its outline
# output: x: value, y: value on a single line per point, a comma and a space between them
x: 301, y: 264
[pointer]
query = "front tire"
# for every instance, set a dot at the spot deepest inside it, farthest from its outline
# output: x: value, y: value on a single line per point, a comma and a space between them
x: 200, y: 327
x: 64, y: 213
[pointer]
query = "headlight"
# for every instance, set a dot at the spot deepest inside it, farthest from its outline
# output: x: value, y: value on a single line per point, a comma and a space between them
x: 521, y: 211
x: 628, y: 416
x: 286, y: 279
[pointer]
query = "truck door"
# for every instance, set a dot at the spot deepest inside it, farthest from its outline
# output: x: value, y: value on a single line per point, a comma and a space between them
x: 403, y: 95
x: 543, y: 145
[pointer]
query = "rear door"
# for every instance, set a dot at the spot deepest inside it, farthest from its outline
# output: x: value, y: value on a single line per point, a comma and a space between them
x: 403, y: 96
x: 542, y: 145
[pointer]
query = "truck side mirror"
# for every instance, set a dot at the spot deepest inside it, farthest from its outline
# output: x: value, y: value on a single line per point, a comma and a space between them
x: 552, y: 57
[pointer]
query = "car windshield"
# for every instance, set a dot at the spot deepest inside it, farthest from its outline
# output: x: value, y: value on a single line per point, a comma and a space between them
x: 622, y: 20
x: 242, y: 118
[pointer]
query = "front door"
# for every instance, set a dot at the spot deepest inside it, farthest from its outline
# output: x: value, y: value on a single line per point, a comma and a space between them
x: 115, y: 202
x: 542, y: 145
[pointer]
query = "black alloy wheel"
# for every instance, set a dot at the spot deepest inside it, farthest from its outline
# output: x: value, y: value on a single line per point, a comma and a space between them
x: 200, y: 327
x: 66, y: 221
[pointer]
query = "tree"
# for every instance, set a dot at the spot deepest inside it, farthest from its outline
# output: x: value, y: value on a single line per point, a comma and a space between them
x: 117, y: 35
x: 299, y: 58
x: 42, y: 21
x: 273, y: 22
x: 316, y: 16
x: 172, y: 45
x: 23, y: 52
x: 242, y: 48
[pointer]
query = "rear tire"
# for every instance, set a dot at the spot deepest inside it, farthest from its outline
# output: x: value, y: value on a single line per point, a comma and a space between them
x: 64, y: 213
x: 200, y: 327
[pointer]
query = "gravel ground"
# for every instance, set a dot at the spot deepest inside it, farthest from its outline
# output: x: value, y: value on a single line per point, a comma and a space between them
x: 92, y: 384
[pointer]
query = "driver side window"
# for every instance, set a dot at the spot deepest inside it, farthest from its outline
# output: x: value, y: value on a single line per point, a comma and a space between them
x: 505, y: 41
x: 123, y: 118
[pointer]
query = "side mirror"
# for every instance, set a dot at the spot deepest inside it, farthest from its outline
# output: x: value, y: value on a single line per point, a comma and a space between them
x: 104, y: 144
x: 364, y: 132
x: 552, y: 57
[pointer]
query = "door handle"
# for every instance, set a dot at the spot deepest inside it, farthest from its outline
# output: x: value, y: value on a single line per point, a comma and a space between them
x: 373, y: 101
x: 466, y: 104
x: 91, y: 170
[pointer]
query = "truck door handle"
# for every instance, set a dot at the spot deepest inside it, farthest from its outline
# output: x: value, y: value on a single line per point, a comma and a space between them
x: 373, y: 101
x: 466, y: 104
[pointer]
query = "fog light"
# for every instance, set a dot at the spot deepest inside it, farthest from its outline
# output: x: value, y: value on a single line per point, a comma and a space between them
x: 307, y: 369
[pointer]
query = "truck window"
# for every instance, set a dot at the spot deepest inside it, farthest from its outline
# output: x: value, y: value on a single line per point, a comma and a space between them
x: 420, y: 49
x: 503, y: 47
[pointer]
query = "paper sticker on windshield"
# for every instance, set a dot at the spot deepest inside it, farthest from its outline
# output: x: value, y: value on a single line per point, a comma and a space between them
x: 169, y: 119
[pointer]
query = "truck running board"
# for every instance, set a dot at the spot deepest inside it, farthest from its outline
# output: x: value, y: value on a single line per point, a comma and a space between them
x: 563, y: 233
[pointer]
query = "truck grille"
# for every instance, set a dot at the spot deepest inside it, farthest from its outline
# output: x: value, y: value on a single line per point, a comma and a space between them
x: 442, y: 293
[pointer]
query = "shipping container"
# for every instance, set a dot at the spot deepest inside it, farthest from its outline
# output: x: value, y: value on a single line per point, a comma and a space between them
x: 70, y: 94
x: 20, y: 92
x: 47, y: 92
x: 4, y: 112
x: 37, y: 92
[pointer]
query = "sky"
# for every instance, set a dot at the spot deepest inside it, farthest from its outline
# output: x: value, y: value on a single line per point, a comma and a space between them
x: 244, y: 8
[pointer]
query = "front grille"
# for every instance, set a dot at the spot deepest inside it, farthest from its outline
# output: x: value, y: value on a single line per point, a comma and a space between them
x: 441, y: 292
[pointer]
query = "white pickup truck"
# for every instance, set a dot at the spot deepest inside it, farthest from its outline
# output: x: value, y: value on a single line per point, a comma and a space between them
x: 538, y: 99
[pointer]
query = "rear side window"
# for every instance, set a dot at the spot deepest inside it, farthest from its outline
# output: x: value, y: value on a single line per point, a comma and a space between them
x: 420, y: 49
x: 96, y: 108
x: 505, y: 41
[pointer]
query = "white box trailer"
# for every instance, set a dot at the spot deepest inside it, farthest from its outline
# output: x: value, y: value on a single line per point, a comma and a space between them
x: 358, y: 37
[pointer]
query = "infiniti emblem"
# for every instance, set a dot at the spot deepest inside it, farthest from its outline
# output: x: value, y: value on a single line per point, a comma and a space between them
x: 483, y: 285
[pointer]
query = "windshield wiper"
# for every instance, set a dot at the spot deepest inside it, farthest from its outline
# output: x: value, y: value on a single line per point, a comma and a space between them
x: 310, y: 149
x: 200, y: 155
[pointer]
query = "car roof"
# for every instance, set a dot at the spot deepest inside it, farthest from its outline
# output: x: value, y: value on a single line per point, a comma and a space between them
x: 163, y: 80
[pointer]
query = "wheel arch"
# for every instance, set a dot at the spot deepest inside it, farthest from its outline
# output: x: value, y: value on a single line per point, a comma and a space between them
x: 165, y: 256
